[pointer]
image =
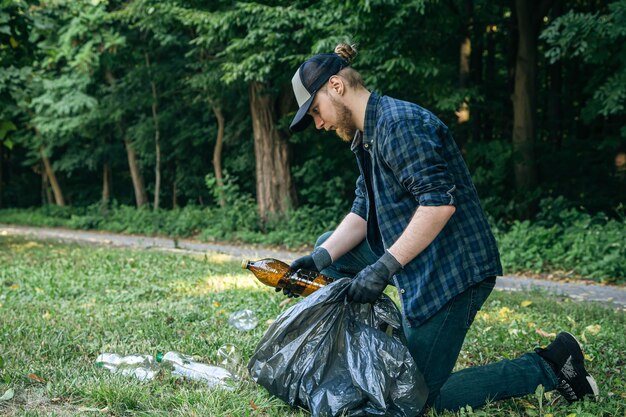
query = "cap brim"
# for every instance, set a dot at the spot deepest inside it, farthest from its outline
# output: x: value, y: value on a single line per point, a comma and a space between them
x: 302, y: 119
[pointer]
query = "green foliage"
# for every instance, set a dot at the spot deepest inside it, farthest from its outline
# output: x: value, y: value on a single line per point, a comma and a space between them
x: 568, y: 241
x: 598, y: 39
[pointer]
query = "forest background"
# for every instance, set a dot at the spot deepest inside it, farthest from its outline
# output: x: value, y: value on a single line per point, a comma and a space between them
x: 170, y: 117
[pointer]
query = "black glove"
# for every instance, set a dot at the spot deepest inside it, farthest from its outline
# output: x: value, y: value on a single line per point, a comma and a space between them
x: 288, y: 293
x: 316, y: 261
x: 368, y: 284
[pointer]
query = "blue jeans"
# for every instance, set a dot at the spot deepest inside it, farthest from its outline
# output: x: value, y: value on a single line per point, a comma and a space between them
x: 435, y: 345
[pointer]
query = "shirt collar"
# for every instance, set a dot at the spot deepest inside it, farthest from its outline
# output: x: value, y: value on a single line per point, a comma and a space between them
x: 371, y: 111
x: 369, y: 125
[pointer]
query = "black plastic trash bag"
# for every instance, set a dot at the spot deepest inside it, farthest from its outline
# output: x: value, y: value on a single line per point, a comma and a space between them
x: 332, y: 357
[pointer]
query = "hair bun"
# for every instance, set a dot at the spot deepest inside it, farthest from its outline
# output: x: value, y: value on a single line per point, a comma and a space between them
x: 346, y: 51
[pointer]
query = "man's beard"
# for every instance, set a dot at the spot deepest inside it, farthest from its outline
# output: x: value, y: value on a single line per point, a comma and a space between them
x: 345, y: 128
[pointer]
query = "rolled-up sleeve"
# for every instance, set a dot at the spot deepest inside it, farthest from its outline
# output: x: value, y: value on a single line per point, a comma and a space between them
x: 359, y: 205
x: 413, y: 150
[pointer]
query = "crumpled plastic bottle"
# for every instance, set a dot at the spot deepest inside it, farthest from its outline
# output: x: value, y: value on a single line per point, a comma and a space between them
x: 142, y: 367
x: 229, y: 357
x: 184, y: 365
x: 243, y: 320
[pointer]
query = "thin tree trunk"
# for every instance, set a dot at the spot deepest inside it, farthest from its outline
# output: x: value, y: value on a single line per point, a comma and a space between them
x: 273, y: 176
x: 141, y: 197
x: 217, y: 153
x: 174, y: 194
x: 56, y: 188
x: 46, y: 194
x: 490, y: 76
x: 555, y: 78
x: 529, y: 16
x: 524, y: 99
x: 157, y: 137
x: 476, y: 62
x: 106, y: 183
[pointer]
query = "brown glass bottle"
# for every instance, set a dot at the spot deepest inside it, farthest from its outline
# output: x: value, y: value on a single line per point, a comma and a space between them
x: 277, y: 274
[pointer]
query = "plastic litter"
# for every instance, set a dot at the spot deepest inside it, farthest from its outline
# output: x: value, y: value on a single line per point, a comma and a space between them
x: 229, y: 357
x: 337, y: 358
x: 142, y: 367
x: 184, y: 365
x: 146, y: 367
x: 243, y: 320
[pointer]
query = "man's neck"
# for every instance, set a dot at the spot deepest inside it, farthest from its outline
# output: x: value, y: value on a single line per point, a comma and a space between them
x: 358, y: 106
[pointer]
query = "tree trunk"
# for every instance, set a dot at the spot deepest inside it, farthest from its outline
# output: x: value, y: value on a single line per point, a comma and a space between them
x: 217, y: 153
x: 106, y: 183
x: 46, y: 195
x: 490, y: 76
x: 476, y: 63
x: 141, y: 197
x: 157, y: 137
x: 174, y: 194
x: 56, y: 188
x: 524, y: 102
x: 273, y: 176
x: 555, y: 95
x: 529, y: 17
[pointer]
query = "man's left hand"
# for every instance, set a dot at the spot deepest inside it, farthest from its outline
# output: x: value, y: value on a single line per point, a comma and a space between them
x: 368, y: 284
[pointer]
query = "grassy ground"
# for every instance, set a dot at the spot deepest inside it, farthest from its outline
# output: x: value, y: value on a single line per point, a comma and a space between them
x: 61, y: 305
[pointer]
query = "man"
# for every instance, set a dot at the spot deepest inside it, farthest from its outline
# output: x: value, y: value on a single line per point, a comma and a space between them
x: 416, y: 223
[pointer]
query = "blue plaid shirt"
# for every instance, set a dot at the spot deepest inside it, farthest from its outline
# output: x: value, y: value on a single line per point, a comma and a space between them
x: 414, y: 161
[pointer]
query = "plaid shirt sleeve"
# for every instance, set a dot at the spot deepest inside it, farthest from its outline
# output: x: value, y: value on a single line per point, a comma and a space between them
x: 413, y: 151
x: 358, y: 206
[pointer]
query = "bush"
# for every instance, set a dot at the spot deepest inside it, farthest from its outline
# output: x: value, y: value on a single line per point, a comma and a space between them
x: 563, y: 238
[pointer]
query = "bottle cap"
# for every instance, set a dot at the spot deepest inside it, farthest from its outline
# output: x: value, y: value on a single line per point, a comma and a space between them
x: 159, y: 356
x: 244, y: 263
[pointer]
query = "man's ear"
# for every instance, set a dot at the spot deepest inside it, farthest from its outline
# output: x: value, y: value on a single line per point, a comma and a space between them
x: 336, y: 83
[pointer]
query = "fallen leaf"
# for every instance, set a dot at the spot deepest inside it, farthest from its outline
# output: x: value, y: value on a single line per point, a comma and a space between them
x: 543, y: 333
x: 36, y: 378
x: 8, y: 394
x: 525, y: 303
x: 503, y: 313
x: 216, y: 304
x: 571, y: 415
x: 588, y: 358
x: 593, y: 329
x: 253, y: 405
x: 46, y: 315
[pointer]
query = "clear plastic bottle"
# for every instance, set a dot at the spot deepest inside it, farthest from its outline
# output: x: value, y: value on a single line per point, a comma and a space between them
x: 184, y: 365
x: 142, y: 367
x: 243, y: 320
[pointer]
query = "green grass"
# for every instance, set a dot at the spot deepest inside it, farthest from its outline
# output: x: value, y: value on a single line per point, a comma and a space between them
x: 61, y: 305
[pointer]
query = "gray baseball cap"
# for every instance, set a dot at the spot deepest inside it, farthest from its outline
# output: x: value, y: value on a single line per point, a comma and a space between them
x: 309, y: 78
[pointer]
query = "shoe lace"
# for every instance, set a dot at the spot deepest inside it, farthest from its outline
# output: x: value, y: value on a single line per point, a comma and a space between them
x: 566, y: 389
